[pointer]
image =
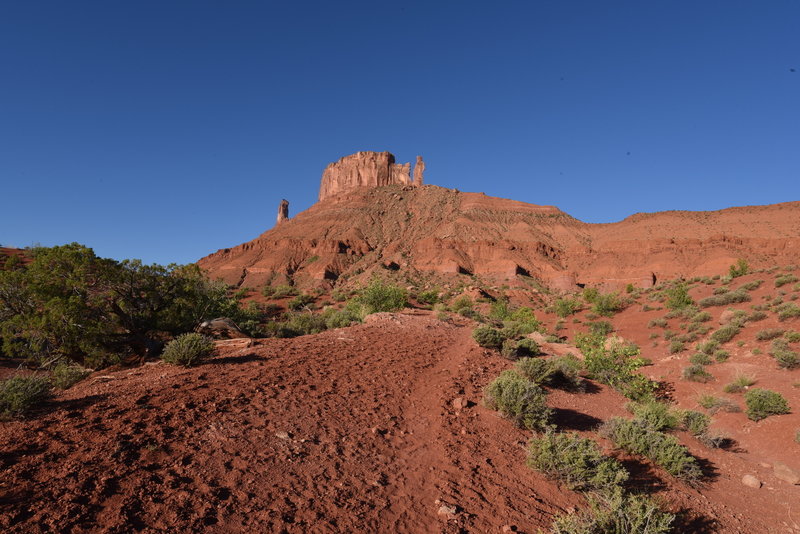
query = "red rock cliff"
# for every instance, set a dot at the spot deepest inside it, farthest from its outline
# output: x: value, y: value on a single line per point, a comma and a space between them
x: 363, y: 169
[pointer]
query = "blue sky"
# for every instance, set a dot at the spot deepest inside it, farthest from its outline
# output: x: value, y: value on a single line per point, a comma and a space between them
x: 166, y: 130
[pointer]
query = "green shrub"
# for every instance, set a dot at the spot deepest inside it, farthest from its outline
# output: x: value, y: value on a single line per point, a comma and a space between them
x: 676, y: 346
x: 661, y: 322
x: 697, y: 373
x: 20, y: 394
x: 565, y: 307
x: 721, y: 355
x: 283, y: 291
x: 519, y: 399
x: 701, y: 317
x: 575, y: 461
x: 537, y: 370
x: 708, y: 347
x: 590, y: 294
x: 696, y: 423
x: 615, y: 366
x: 761, y: 403
x: 769, y: 333
x: 300, y: 302
x: 715, y: 404
x: 636, y: 437
x: 751, y: 286
x: 339, y: 318
x: 678, y: 297
x: 741, y: 268
x: 785, y: 279
x: 756, y: 316
x: 303, y: 324
x: 600, y: 328
x: 792, y: 336
x: 268, y: 291
x: 381, y: 297
x: 500, y: 310
x: 739, y: 384
x: 429, y: 297
x: 732, y: 297
x: 66, y: 375
x: 567, y: 373
x: 187, y: 349
x: 721, y: 290
x: 726, y: 333
x: 616, y: 513
x: 654, y: 414
x: 488, y: 337
x: 700, y: 359
x: 606, y: 305
x: 788, y: 311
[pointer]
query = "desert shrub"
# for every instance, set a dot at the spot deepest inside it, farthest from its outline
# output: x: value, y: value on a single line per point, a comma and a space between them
x: 769, y: 333
x: 575, y: 461
x: 661, y: 322
x: 537, y: 370
x: 751, y: 286
x: 636, y: 437
x: 721, y: 355
x: 782, y: 280
x: 565, y: 307
x: 761, y: 403
x: 268, y: 291
x: 500, y: 310
x: 726, y: 333
x: 65, y: 375
x: 607, y: 304
x: 519, y: 399
x: 676, y: 346
x: 700, y: 358
x: 527, y: 347
x: 788, y: 311
x: 616, y: 513
x: 488, y: 337
x: 590, y: 294
x: 696, y: 373
x: 721, y: 290
x: 187, y: 349
x: 566, y: 373
x: 696, y: 423
x: 600, y: 328
x: 725, y: 299
x: 70, y: 304
x: 739, y: 384
x: 430, y: 297
x: 756, y: 316
x: 283, y: 291
x: 656, y: 415
x: 701, y: 317
x: 381, y: 297
x: 615, y: 366
x: 300, y: 302
x: 678, y: 297
x: 509, y: 349
x: 741, y: 268
x: 708, y: 347
x: 792, y: 336
x: 303, y: 324
x: 21, y: 394
x: 669, y: 334
x: 339, y: 318
x: 786, y: 358
x: 717, y: 404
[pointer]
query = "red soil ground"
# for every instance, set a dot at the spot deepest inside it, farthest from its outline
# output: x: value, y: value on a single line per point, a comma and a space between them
x: 351, y: 430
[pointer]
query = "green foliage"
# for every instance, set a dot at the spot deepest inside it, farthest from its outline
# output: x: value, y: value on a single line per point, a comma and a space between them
x: 660, y: 321
x: 282, y: 291
x: 708, y: 347
x: 188, y: 349
x: 600, y: 328
x: 607, y: 304
x: 616, y: 513
x: 300, y: 302
x: 65, y: 375
x: 700, y: 359
x: 721, y: 355
x: 751, y: 286
x: 537, y: 370
x: 488, y: 337
x: 676, y: 346
x: 786, y: 358
x: 726, y: 333
x: 731, y: 297
x: 788, y: 310
x: 575, y: 461
x: 636, y: 437
x: 697, y: 373
x: 717, y: 404
x: 739, y: 384
x: 615, y: 366
x: 500, y: 309
x: 590, y: 294
x: 761, y: 403
x: 792, y: 337
x: 769, y: 333
x: 381, y: 297
x: 339, y: 318
x: 701, y: 317
x: 20, y: 394
x: 69, y: 303
x: 520, y: 400
x: 782, y: 280
x: 741, y: 268
x: 430, y: 297
x: 656, y: 415
x: 678, y: 297
x: 565, y: 307
x: 696, y: 423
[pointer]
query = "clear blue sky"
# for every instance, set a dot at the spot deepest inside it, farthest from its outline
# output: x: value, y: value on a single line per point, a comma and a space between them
x: 164, y: 130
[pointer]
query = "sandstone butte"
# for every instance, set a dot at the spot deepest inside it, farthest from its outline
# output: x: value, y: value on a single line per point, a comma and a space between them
x: 371, y: 215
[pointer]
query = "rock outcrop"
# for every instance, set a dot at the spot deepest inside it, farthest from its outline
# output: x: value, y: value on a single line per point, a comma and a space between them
x: 419, y: 169
x: 364, y: 169
x: 283, y: 211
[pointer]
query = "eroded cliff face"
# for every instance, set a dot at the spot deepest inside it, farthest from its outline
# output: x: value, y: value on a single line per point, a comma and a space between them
x: 364, y: 169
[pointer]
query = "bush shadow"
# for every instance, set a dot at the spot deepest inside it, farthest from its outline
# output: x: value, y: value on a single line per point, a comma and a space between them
x: 568, y: 419
x: 245, y: 358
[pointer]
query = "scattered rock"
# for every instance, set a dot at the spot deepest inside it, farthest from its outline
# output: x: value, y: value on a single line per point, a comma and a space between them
x: 751, y: 481
x: 447, y: 511
x: 221, y: 327
x: 786, y: 473
x: 509, y: 528
x: 459, y: 403
x: 283, y: 435
x: 726, y: 316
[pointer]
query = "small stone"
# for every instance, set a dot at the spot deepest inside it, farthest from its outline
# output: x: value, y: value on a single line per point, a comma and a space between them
x: 459, y: 403
x: 751, y: 482
x: 283, y: 435
x: 447, y: 512
x: 786, y: 473
x: 509, y: 528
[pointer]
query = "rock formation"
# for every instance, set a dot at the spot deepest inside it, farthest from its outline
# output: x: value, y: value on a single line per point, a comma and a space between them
x: 419, y: 169
x: 283, y: 211
x: 364, y: 169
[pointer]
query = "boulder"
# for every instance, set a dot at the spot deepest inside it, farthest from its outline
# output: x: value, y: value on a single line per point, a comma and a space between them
x: 786, y: 473
x: 221, y: 328
x: 364, y: 169
x: 751, y: 482
x: 283, y: 211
